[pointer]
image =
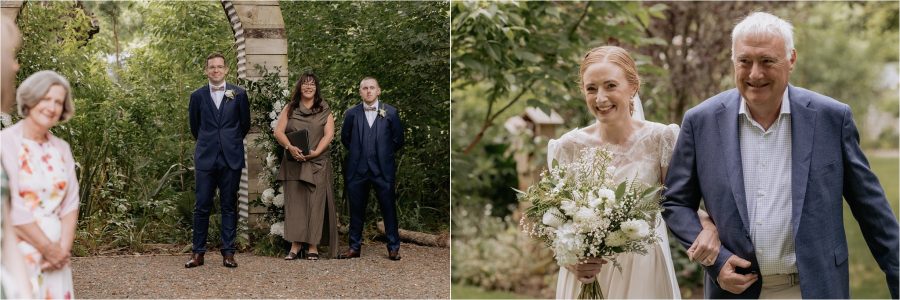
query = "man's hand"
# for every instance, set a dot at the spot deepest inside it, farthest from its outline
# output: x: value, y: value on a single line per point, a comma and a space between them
x: 587, y: 269
x: 733, y: 282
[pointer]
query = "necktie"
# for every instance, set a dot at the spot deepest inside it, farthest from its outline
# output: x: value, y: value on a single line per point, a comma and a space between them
x: 217, y: 89
x: 369, y: 108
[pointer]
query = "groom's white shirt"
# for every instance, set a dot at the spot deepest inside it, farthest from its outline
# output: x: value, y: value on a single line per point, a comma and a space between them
x: 217, y: 95
x: 766, y: 162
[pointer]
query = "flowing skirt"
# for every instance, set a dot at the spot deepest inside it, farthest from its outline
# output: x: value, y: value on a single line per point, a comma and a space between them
x: 47, y: 284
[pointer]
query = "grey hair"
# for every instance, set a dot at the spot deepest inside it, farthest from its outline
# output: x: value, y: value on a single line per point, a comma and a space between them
x: 759, y: 23
x: 36, y: 86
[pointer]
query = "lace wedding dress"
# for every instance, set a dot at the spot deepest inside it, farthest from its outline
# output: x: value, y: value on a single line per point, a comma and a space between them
x: 643, y: 156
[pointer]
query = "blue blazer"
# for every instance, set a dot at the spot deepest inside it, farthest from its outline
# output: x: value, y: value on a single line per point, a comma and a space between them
x: 216, y: 130
x: 390, y: 139
x: 826, y: 164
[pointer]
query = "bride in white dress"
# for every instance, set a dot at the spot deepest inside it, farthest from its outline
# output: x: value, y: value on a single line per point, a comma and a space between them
x: 641, y: 150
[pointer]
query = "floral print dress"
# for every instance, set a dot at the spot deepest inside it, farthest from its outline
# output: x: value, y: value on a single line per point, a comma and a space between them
x: 42, y: 188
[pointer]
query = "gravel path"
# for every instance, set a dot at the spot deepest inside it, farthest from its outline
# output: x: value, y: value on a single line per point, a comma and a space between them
x: 424, y: 272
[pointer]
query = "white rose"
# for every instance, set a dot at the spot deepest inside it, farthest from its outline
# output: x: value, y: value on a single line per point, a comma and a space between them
x: 553, y: 218
x: 273, y: 123
x: 594, y: 201
x: 278, y: 201
x: 267, y: 196
x: 615, y: 239
x: 569, y: 207
x: 273, y: 115
x: 277, y: 229
x: 585, y: 216
x: 281, y: 189
x: 635, y: 229
x: 607, y: 195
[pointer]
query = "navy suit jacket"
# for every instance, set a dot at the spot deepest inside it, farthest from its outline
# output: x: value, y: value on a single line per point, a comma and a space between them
x: 389, y: 131
x: 216, y: 130
x: 826, y: 164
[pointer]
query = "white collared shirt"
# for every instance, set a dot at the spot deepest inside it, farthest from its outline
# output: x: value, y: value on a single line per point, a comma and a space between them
x: 766, y: 162
x: 218, y: 95
x: 371, y: 114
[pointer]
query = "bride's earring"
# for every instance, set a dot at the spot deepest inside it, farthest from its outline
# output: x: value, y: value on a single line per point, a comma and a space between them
x: 631, y: 106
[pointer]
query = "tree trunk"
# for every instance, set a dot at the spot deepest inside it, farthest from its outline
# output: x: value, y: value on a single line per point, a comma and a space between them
x: 421, y: 238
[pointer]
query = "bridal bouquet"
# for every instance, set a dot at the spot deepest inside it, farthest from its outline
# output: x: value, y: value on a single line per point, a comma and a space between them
x: 579, y: 212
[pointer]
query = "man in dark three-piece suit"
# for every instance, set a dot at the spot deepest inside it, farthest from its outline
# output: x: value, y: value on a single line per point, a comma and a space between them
x: 372, y: 134
x: 772, y: 163
x: 219, y: 115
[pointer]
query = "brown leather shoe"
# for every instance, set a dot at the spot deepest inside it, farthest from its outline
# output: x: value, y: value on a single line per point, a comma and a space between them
x: 394, y: 255
x: 196, y: 260
x: 228, y: 261
x: 350, y: 253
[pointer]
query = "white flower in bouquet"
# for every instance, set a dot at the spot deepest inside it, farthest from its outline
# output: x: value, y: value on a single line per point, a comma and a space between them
x: 277, y: 229
x: 607, y: 195
x: 554, y: 218
x: 580, y: 212
x: 569, y: 207
x: 274, y: 170
x: 281, y: 189
x: 270, y: 160
x: 278, y: 201
x: 616, y: 239
x: 636, y: 229
x: 273, y: 123
x: 286, y: 93
x: 267, y: 196
x: 594, y: 201
x: 273, y: 115
x: 586, y: 218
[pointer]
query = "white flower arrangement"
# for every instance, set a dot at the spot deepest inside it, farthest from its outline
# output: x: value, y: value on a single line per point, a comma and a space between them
x: 579, y: 212
x: 229, y: 94
x: 382, y: 113
x: 278, y: 201
x: 277, y: 229
x: 267, y: 196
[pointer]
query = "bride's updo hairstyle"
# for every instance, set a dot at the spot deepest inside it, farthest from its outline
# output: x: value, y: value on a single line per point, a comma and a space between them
x: 615, y: 55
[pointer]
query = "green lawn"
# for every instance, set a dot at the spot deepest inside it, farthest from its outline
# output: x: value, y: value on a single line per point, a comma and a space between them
x: 866, y: 278
x: 458, y: 291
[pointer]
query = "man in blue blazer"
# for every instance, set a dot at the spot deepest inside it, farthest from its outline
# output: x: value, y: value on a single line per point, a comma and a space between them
x: 771, y: 162
x: 219, y: 114
x: 372, y: 134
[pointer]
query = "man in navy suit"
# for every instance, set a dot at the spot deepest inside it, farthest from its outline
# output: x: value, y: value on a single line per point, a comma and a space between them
x: 771, y: 162
x: 219, y: 114
x: 373, y: 134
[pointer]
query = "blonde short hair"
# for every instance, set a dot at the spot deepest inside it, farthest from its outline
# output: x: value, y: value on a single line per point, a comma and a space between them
x: 36, y: 86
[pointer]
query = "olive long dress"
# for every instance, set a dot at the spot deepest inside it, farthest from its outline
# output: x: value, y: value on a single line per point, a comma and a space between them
x: 309, y: 213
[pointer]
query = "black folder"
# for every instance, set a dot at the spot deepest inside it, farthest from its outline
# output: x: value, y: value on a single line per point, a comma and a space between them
x: 300, y: 139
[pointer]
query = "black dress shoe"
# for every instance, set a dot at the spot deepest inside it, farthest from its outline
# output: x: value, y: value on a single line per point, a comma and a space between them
x: 228, y: 261
x: 394, y: 255
x: 350, y: 253
x: 196, y: 260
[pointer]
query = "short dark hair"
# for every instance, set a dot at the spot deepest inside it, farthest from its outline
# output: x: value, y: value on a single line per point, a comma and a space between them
x: 369, y: 78
x: 214, y: 55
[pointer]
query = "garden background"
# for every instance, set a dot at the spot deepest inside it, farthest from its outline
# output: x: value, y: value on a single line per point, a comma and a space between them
x: 133, y: 65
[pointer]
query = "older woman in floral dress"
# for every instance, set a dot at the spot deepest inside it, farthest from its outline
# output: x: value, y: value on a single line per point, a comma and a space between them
x: 42, y: 183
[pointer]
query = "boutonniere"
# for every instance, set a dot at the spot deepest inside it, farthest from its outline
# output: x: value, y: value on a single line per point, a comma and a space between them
x: 229, y: 94
x: 382, y: 112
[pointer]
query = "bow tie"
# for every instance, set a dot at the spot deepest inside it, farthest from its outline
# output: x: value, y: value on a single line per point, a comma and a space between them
x: 217, y: 89
x: 370, y: 108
